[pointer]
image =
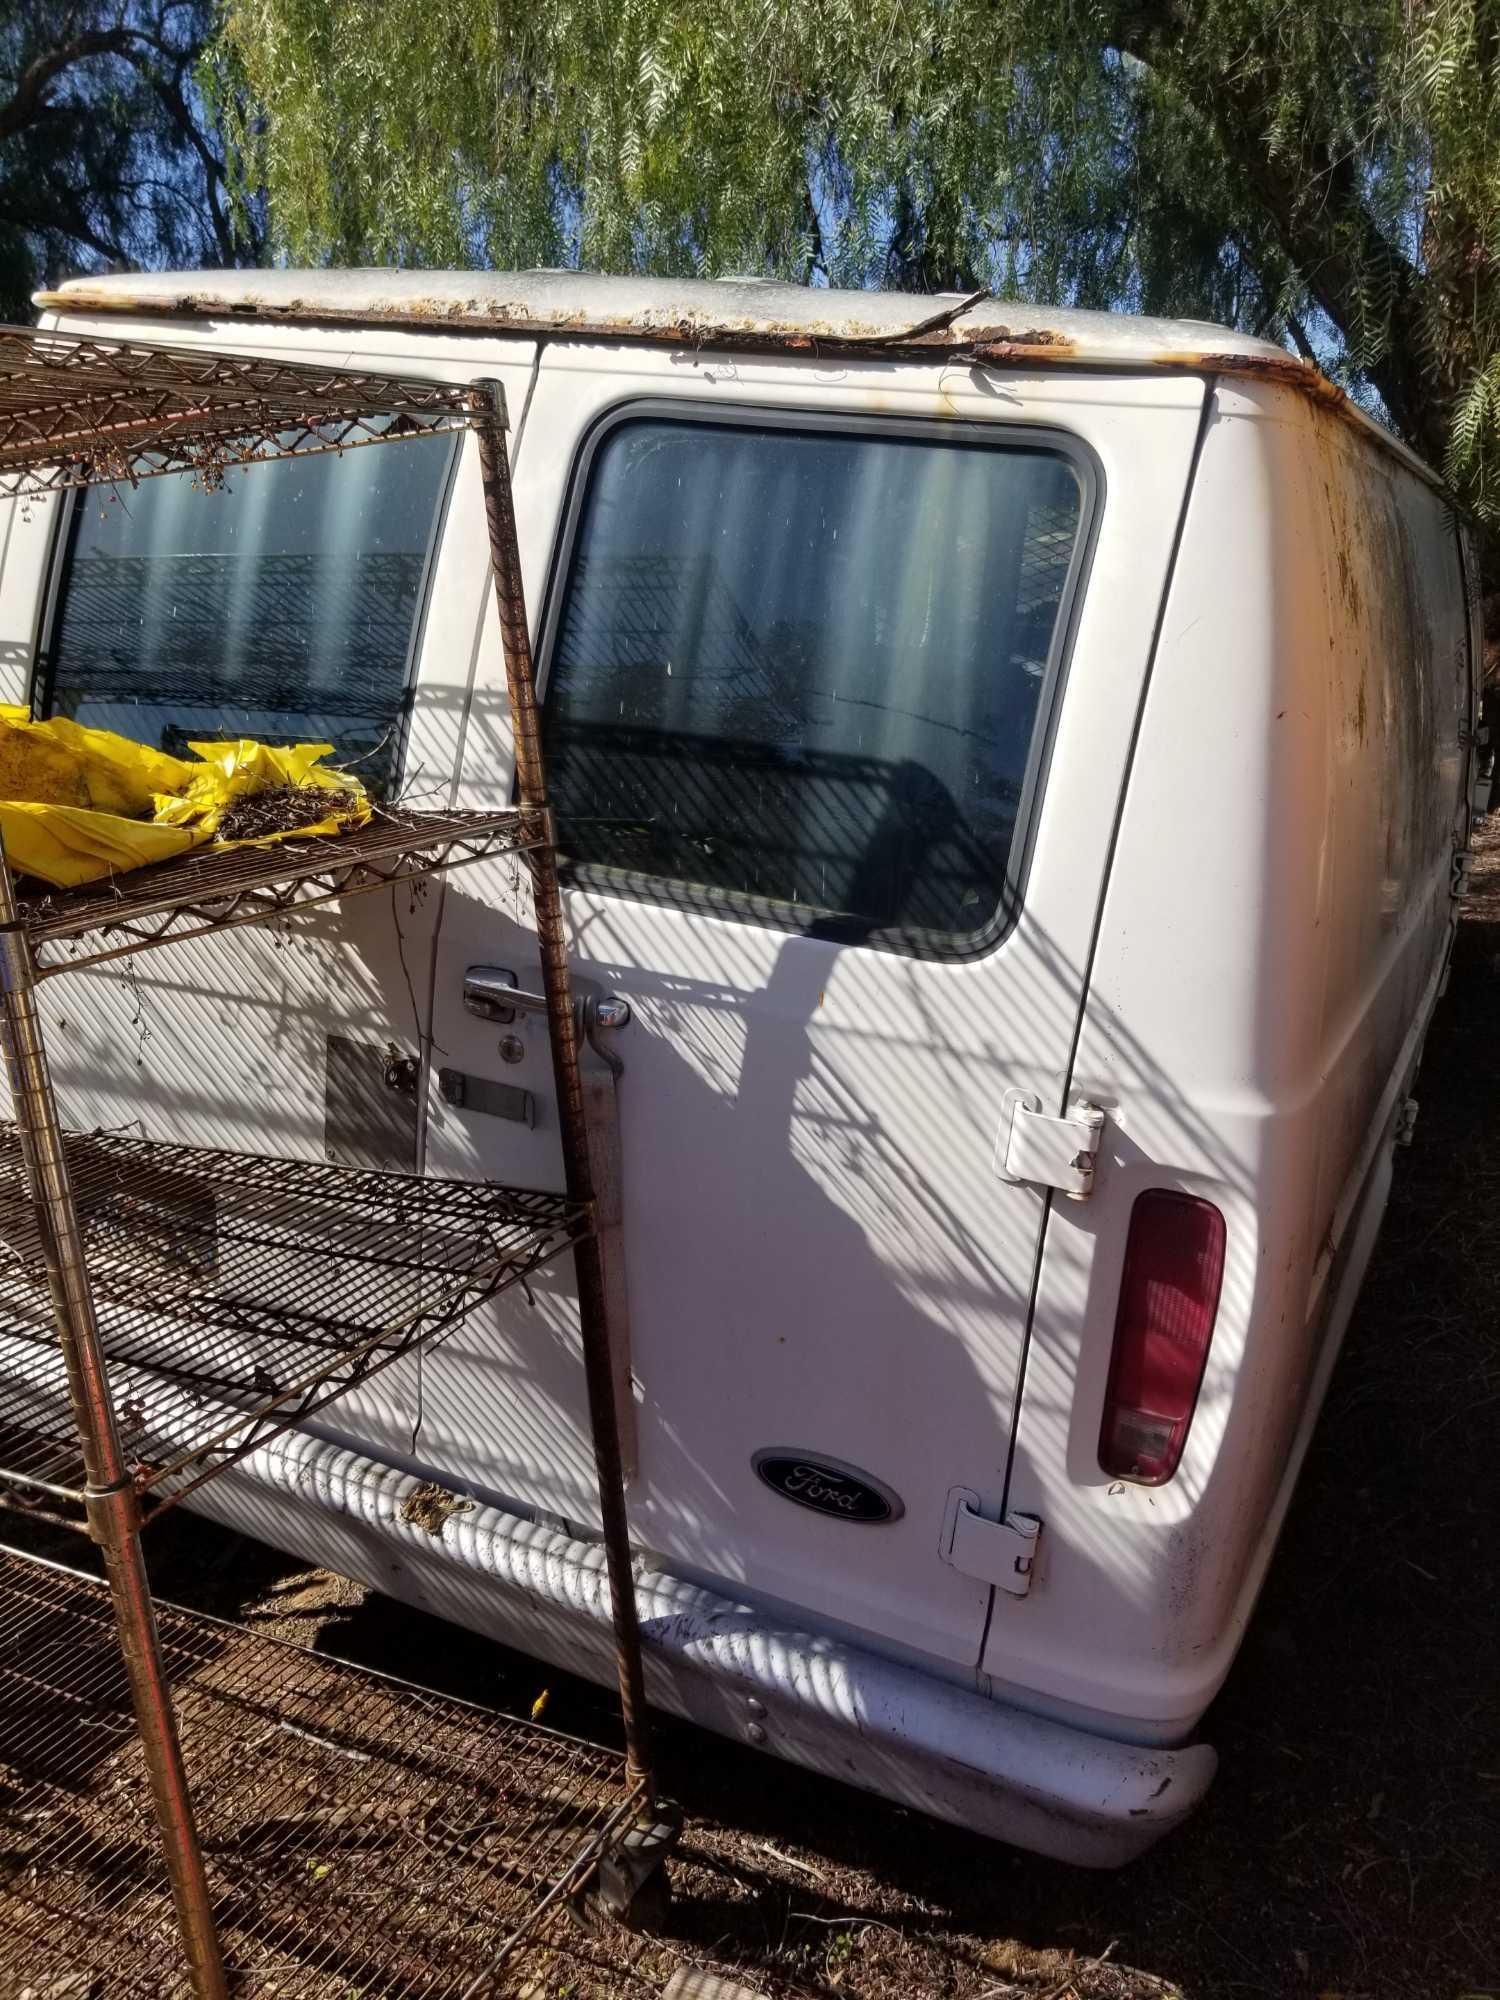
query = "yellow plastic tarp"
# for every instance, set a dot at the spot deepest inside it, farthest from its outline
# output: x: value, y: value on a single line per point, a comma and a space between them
x: 77, y: 804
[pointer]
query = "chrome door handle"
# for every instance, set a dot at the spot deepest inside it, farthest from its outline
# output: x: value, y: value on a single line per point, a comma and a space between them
x: 491, y: 993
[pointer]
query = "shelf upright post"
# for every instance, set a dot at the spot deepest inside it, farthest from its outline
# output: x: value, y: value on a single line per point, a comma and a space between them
x: 110, y: 1496
x: 487, y: 406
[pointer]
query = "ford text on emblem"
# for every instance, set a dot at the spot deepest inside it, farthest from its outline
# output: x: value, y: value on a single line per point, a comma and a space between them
x: 826, y: 1485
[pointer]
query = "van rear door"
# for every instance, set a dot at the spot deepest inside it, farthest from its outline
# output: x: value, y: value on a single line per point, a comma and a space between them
x: 841, y: 669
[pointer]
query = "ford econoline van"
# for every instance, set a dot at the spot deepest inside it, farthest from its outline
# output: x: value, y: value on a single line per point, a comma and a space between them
x: 1012, y: 770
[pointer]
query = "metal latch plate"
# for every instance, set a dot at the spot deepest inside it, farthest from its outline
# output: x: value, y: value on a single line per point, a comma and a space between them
x: 997, y: 1552
x: 1047, y: 1152
x: 480, y: 1093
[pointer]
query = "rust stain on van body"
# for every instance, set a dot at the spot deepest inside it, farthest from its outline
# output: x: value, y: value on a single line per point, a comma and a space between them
x: 993, y: 346
x: 955, y: 333
x: 1289, y: 371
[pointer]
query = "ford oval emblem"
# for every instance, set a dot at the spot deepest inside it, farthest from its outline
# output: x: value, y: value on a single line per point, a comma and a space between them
x: 826, y: 1485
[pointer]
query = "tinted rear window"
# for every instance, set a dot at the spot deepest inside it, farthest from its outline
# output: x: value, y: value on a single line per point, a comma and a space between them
x: 798, y: 676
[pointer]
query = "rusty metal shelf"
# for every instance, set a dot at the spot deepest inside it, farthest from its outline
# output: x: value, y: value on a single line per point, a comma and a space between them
x: 361, y: 1835
x: 237, y: 1294
x: 220, y: 889
x: 355, y: 1837
x: 79, y: 410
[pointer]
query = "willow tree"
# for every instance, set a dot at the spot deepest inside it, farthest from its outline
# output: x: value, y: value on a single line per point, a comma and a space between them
x: 1326, y: 173
x: 105, y: 152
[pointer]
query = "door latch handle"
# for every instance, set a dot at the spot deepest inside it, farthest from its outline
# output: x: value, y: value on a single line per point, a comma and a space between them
x: 491, y: 993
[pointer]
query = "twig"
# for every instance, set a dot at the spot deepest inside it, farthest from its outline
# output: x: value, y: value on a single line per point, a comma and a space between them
x: 365, y: 755
x: 765, y: 1847
x: 1070, y: 1976
x: 849, y: 1923
x: 937, y: 322
x: 338, y: 1749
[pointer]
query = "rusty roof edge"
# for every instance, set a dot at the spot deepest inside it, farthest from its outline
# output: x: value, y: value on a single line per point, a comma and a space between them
x: 1290, y: 371
x: 679, y: 331
x: 986, y: 346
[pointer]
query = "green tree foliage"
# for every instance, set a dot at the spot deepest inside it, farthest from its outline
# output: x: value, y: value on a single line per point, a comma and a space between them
x: 107, y: 155
x: 1327, y: 173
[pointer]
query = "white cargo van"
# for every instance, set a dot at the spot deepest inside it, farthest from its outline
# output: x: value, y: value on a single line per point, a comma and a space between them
x: 1013, y: 770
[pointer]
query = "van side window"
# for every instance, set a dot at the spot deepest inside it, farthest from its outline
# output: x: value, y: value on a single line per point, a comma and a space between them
x: 796, y: 677
x: 284, y: 606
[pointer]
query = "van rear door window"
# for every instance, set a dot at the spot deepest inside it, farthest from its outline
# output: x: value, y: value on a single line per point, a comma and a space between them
x: 797, y: 677
x: 284, y: 606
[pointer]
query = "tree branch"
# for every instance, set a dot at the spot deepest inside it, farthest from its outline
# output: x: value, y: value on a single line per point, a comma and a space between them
x: 1313, y: 204
x: 1298, y: 332
x: 819, y: 258
x: 169, y: 90
x: 162, y: 67
x: 37, y: 215
x: 29, y: 99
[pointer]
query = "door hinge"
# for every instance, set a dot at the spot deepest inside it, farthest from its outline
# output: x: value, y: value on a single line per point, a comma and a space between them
x: 997, y: 1552
x: 1048, y: 1152
x: 1458, y: 875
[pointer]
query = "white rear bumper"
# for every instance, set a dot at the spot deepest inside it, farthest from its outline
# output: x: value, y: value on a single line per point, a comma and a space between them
x: 816, y: 1701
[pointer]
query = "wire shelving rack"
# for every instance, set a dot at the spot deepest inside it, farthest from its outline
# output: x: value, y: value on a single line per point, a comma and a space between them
x: 165, y: 1309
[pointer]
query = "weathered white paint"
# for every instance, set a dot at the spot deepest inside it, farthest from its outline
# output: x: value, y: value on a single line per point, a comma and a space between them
x: 1235, y: 917
x: 584, y: 302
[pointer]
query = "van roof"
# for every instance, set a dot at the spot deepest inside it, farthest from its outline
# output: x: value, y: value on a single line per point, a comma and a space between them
x: 737, y: 313
x: 708, y: 309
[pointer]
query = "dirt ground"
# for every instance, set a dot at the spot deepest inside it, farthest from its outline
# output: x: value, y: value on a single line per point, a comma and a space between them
x: 1350, y: 1849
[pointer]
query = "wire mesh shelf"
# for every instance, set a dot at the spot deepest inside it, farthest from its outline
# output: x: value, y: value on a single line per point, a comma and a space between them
x: 215, y: 889
x: 361, y: 1835
x: 80, y: 411
x: 236, y: 1294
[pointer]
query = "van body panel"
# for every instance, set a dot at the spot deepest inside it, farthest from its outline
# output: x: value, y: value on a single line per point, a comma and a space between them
x: 1274, y: 932
x: 819, y: 1253
x: 1224, y: 917
x: 808, y: 1127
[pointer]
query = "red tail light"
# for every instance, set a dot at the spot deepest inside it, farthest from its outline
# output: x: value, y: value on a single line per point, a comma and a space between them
x: 1169, y: 1295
